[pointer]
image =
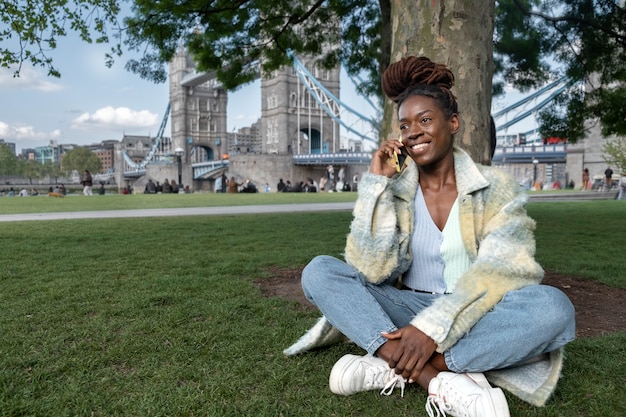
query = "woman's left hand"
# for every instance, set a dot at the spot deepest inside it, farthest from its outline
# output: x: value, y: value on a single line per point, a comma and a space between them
x: 414, y: 351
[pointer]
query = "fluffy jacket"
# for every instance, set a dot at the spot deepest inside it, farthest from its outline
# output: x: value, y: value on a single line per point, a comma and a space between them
x: 498, y: 236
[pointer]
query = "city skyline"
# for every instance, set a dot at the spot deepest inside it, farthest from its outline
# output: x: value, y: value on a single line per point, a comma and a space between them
x: 91, y: 103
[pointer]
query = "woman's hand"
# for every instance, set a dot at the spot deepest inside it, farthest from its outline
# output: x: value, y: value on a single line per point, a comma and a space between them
x: 383, y: 161
x: 413, y: 351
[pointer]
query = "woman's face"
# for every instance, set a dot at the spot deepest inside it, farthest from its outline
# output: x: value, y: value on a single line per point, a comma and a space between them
x: 426, y: 132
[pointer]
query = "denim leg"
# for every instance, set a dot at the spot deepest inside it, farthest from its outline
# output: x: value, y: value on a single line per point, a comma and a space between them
x: 359, y: 309
x: 524, y: 324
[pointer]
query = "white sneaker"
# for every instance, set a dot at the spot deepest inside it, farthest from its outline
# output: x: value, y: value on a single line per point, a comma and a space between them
x: 464, y: 395
x: 354, y: 373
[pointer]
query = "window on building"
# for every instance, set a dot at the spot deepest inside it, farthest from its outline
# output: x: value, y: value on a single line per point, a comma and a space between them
x: 272, y: 102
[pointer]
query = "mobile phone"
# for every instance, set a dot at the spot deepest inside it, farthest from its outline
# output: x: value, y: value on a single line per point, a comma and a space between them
x: 400, y: 158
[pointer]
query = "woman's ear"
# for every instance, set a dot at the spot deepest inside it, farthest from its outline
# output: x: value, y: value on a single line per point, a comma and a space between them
x: 455, y: 123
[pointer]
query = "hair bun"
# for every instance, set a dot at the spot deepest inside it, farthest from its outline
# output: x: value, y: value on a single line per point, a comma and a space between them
x: 411, y: 71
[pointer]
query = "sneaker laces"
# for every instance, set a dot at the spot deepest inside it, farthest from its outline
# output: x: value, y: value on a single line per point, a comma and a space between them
x: 389, y: 387
x: 441, y: 403
x: 376, y: 377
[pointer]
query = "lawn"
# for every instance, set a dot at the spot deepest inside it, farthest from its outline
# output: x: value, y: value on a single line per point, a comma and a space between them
x: 72, y: 203
x: 162, y: 316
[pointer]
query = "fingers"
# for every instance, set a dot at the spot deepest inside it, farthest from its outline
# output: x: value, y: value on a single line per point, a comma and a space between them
x: 384, y: 157
x: 389, y: 147
x: 412, y: 350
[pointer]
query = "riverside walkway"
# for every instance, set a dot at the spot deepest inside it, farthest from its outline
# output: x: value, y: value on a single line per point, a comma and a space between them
x: 168, y: 212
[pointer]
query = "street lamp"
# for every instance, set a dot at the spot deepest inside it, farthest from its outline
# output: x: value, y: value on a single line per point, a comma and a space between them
x: 535, y: 163
x: 179, y: 161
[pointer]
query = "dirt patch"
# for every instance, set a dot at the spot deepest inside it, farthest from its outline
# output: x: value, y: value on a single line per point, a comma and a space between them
x: 600, y: 309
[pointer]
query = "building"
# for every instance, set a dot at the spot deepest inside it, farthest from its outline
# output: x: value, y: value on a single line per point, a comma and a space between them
x: 105, y: 151
x: 245, y: 140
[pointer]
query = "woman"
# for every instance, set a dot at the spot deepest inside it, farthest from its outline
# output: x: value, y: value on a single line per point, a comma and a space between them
x: 440, y: 284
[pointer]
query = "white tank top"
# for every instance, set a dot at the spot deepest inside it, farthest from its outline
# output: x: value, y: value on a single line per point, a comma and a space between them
x: 439, y: 257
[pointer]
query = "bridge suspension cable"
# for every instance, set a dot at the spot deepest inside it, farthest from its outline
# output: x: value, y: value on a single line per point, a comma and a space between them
x: 156, y: 144
x: 327, y: 100
x: 553, y: 90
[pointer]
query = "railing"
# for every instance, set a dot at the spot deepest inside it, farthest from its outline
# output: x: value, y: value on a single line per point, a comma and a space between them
x: 341, y: 158
x: 525, y: 154
x: 204, y: 169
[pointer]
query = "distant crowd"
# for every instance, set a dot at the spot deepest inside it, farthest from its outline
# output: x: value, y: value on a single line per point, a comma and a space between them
x: 168, y: 187
x: 328, y: 182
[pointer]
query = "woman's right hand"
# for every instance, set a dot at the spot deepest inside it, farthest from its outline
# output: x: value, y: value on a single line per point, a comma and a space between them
x: 383, y: 161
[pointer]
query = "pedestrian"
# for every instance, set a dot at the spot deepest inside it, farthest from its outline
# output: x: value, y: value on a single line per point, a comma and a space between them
x: 439, y: 285
x: 608, y: 178
x: 280, y: 186
x: 622, y: 187
x: 87, y: 183
x: 233, y: 186
x: 585, y: 185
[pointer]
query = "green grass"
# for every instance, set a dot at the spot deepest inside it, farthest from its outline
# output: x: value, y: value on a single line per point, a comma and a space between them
x: 162, y: 316
x: 584, y: 238
x: 45, y: 204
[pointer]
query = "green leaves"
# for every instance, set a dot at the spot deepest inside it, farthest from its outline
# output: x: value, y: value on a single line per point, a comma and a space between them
x: 81, y: 159
x: 34, y: 28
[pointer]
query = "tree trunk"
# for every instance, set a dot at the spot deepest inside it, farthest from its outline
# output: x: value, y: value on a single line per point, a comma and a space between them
x: 459, y: 34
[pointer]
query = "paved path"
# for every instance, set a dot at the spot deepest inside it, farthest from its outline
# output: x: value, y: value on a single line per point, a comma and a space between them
x: 270, y: 208
x: 194, y: 211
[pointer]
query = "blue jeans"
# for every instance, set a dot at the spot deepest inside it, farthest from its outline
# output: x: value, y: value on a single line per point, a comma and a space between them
x: 524, y: 324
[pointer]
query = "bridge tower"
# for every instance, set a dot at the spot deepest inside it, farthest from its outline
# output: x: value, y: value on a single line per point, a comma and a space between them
x: 292, y: 122
x: 198, y: 113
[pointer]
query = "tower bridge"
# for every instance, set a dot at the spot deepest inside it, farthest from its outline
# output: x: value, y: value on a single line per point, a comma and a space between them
x: 297, y: 136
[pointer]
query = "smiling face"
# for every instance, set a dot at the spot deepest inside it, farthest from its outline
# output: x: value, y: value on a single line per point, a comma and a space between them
x: 426, y: 131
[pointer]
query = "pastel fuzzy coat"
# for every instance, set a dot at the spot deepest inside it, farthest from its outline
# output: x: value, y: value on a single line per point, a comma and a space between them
x: 498, y: 236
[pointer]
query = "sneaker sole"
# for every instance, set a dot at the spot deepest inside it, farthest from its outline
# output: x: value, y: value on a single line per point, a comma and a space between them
x: 498, y: 401
x: 335, y: 378
x: 500, y: 405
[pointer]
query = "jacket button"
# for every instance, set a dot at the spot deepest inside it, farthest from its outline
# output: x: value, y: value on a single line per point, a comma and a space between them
x: 440, y: 329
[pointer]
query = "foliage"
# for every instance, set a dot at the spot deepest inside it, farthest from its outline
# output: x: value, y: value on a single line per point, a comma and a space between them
x: 534, y: 41
x: 80, y: 159
x: 615, y: 154
x: 31, y: 29
x: 237, y: 38
x: 52, y: 170
x: 31, y: 169
x: 8, y: 161
x: 584, y: 40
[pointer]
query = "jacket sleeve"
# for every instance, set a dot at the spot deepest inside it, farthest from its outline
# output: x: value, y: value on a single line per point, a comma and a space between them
x: 375, y: 244
x: 504, y: 262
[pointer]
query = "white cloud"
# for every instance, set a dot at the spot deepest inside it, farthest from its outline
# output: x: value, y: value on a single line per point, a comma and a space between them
x: 120, y: 117
x: 24, y: 133
x: 29, y: 79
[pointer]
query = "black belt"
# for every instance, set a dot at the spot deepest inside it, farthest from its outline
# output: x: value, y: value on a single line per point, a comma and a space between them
x: 404, y: 287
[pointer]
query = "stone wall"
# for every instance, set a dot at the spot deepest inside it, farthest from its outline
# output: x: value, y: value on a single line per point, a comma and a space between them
x: 262, y: 169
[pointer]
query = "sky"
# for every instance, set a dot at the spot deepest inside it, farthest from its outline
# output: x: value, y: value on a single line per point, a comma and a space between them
x: 91, y: 103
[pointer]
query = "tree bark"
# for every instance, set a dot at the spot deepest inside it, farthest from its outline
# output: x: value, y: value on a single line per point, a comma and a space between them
x: 458, y: 33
